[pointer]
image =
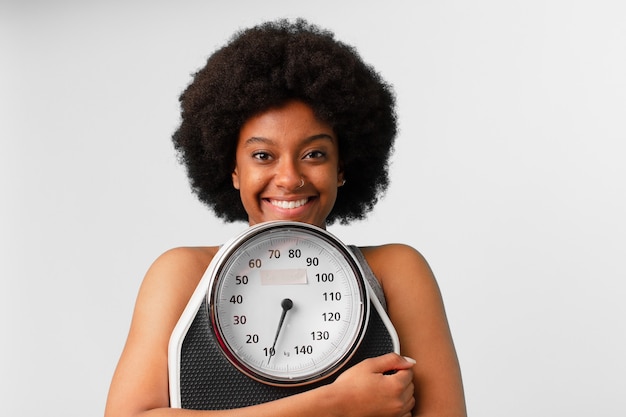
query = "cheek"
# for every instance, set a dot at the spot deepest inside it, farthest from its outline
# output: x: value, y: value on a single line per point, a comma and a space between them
x: 252, y: 183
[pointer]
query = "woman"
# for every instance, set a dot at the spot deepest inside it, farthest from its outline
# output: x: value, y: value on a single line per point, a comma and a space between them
x: 286, y: 123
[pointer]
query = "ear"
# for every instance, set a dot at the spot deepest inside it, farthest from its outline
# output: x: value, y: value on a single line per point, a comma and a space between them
x: 340, y: 178
x: 235, y: 176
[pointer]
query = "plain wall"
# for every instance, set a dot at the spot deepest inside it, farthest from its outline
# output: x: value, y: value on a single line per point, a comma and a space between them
x: 508, y: 176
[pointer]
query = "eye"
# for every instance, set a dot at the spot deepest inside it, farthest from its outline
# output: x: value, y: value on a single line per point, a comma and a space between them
x: 315, y: 155
x: 261, y: 155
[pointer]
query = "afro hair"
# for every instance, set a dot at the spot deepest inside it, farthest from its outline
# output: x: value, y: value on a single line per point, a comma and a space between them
x: 264, y: 67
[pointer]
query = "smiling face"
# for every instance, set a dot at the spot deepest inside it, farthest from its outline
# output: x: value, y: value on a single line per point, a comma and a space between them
x: 279, y: 149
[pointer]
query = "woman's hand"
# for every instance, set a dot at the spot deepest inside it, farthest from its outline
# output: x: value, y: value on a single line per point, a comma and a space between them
x: 380, y: 386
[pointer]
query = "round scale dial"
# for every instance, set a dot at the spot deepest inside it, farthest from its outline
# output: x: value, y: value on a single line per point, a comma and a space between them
x: 288, y: 303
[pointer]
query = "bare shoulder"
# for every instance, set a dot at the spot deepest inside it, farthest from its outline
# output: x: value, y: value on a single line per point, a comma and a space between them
x: 188, y: 257
x: 393, y: 262
x: 165, y: 292
x: 183, y: 265
x: 407, y: 281
x: 168, y: 285
x: 174, y: 275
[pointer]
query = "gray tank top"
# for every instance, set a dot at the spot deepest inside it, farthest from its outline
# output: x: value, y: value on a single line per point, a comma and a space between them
x: 369, y: 276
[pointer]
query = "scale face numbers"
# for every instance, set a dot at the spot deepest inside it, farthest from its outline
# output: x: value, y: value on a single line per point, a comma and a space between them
x: 288, y: 303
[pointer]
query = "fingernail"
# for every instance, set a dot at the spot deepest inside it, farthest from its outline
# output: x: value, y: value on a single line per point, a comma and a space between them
x: 410, y: 359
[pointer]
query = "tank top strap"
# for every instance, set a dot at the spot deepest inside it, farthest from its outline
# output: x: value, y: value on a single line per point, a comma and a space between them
x: 369, y: 275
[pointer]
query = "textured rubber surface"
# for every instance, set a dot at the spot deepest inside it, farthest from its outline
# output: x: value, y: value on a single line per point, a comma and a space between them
x: 208, y: 381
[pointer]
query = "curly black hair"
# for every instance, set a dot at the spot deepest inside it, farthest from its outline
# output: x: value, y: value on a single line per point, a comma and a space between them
x: 264, y: 67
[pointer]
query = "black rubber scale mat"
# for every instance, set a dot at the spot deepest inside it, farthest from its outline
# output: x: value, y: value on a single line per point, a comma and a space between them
x: 208, y: 381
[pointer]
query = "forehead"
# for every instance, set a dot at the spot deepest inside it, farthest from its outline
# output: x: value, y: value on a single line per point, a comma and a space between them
x: 294, y: 120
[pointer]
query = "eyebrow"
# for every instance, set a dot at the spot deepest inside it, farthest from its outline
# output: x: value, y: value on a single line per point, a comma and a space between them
x: 260, y: 139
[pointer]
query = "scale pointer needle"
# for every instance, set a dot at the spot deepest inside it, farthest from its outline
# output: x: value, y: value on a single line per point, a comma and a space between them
x: 286, y: 304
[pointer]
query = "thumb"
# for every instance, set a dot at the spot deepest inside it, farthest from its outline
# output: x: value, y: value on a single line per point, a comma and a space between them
x: 390, y: 362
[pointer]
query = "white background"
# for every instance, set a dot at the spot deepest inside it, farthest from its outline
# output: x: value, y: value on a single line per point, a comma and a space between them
x: 509, y: 176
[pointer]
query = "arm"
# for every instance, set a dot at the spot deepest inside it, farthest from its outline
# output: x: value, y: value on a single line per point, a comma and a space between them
x: 417, y: 312
x: 140, y: 383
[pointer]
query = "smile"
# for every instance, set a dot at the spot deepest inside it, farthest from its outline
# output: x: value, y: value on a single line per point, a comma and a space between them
x: 289, y: 204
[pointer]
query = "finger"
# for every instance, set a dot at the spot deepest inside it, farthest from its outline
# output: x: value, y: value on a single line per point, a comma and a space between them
x: 389, y: 362
x: 404, y: 375
x: 409, y: 398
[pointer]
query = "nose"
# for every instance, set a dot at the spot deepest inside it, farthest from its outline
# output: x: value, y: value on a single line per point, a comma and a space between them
x: 288, y: 176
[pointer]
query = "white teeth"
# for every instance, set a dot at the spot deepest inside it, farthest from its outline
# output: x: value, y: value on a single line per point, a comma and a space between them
x: 289, y: 204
